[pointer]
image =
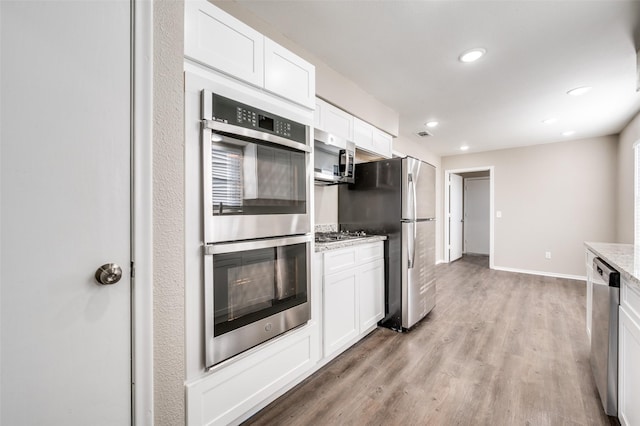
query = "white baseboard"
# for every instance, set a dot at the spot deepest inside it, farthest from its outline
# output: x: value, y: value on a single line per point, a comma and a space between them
x: 541, y: 273
x: 439, y: 261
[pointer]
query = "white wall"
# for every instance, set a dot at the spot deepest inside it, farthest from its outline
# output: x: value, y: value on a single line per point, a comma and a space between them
x: 168, y: 213
x: 553, y: 198
x: 625, y: 220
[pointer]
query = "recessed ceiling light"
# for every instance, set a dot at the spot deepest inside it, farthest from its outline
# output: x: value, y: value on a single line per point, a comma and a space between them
x: 549, y: 121
x: 472, y: 55
x: 568, y: 133
x: 464, y: 147
x: 432, y: 124
x: 579, y: 91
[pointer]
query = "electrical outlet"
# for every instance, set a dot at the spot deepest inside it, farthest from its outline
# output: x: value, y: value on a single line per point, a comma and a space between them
x: 547, y: 255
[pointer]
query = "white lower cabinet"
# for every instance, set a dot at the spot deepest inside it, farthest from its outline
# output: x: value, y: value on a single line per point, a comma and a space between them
x: 241, y: 387
x: 371, y: 293
x: 629, y: 356
x: 353, y: 295
x: 340, y: 310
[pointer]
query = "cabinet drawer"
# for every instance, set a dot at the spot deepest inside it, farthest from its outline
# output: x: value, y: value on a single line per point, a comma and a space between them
x: 227, y: 394
x: 369, y: 252
x: 339, y: 260
x: 630, y: 299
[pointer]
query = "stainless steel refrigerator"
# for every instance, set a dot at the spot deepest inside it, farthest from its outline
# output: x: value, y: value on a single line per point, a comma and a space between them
x: 396, y: 197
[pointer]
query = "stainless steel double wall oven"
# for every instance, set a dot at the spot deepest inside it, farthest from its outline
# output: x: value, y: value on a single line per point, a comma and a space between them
x: 256, y: 168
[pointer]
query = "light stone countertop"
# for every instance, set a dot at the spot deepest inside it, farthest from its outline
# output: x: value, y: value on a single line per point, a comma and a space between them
x: 625, y: 258
x: 334, y: 245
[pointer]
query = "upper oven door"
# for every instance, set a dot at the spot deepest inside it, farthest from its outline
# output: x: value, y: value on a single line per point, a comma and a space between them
x: 256, y: 184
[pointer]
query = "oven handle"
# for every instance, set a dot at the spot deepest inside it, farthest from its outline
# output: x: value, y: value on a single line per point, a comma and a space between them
x: 254, y: 134
x: 219, y: 248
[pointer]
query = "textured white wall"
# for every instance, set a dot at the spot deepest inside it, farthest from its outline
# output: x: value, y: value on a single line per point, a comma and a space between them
x: 168, y: 213
x: 552, y: 197
x: 628, y: 137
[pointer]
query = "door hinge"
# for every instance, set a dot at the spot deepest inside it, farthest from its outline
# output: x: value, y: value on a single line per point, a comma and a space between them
x: 133, y: 269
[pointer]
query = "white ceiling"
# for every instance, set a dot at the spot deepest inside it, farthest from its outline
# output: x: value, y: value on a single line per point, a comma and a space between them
x: 405, y: 54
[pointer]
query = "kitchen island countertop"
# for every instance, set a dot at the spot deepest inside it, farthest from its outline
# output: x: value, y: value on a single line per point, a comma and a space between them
x: 625, y: 258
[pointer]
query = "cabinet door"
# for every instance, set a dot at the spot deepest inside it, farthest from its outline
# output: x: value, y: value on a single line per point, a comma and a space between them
x: 363, y: 135
x: 288, y: 75
x: 382, y: 143
x: 340, y: 311
x: 628, y: 369
x: 371, y: 293
x: 337, y: 121
x: 220, y: 41
x: 371, y: 139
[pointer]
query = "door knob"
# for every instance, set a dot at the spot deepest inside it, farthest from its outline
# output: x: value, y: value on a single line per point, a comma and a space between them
x: 109, y: 273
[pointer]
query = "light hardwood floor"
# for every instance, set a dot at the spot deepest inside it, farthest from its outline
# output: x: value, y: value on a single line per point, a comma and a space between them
x: 499, y: 348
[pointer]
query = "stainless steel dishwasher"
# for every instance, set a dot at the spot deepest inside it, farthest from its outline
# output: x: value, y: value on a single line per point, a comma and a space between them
x: 604, y: 334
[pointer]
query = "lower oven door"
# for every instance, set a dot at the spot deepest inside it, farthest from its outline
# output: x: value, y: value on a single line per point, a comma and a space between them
x: 254, y: 291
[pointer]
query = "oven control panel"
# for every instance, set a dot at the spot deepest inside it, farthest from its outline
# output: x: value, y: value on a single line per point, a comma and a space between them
x: 238, y: 114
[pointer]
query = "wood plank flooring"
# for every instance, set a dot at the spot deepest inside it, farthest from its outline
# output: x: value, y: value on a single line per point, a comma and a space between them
x: 499, y: 348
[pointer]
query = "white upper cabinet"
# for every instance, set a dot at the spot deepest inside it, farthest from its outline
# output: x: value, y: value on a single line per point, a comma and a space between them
x: 218, y: 40
x: 288, y: 75
x: 371, y: 139
x: 333, y: 120
x: 363, y: 135
x: 382, y: 143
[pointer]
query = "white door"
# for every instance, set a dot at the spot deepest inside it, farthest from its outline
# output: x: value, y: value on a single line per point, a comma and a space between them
x: 455, y: 217
x: 476, y: 215
x: 65, y: 175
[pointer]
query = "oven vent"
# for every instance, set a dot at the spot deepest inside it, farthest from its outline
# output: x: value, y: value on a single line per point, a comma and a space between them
x: 423, y: 134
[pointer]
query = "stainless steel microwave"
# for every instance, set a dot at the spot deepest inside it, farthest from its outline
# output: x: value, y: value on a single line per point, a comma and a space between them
x: 333, y: 159
x: 256, y: 168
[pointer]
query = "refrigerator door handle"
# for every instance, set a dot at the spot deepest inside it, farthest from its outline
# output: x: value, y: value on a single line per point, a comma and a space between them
x: 411, y: 245
x: 413, y: 194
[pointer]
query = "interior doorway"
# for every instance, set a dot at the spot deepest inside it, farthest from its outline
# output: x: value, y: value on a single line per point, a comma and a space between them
x: 469, y: 213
